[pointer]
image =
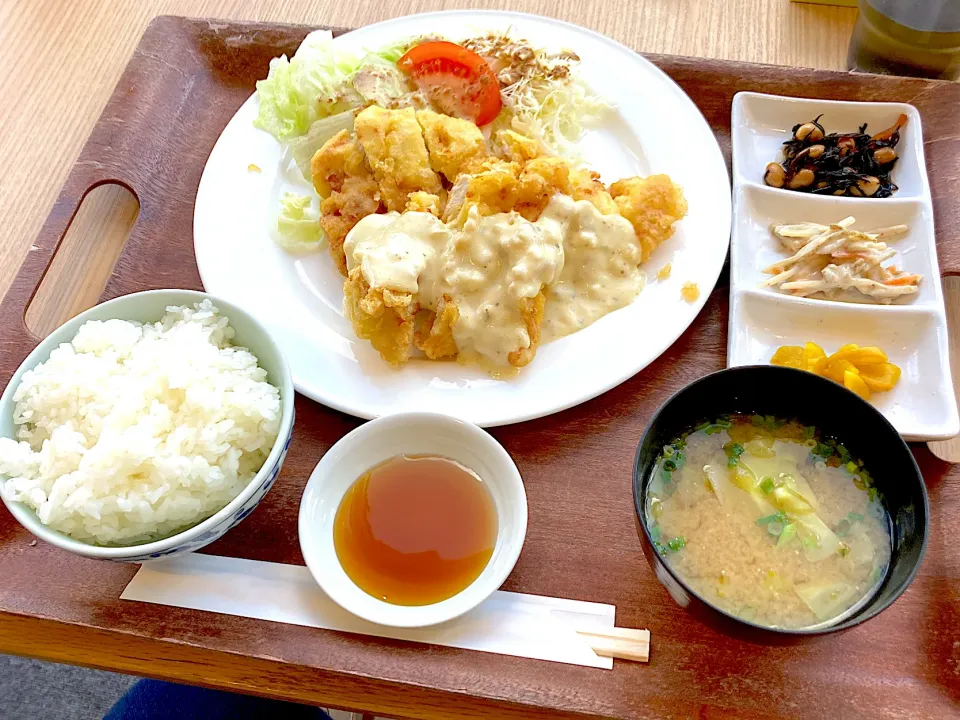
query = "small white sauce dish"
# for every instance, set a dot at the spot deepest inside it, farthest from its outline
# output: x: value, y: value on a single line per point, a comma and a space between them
x: 410, y: 434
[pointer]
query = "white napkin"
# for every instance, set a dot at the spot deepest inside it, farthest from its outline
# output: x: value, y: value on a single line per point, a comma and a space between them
x: 507, y: 623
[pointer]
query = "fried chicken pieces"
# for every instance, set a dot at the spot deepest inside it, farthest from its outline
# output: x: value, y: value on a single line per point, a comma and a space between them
x: 387, y: 167
x: 455, y: 146
x: 347, y: 190
x: 382, y: 316
x: 652, y: 205
x: 435, y: 334
x: 422, y: 161
x: 393, y: 143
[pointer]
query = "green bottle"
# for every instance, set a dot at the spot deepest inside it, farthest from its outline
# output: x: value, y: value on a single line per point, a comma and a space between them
x: 920, y: 38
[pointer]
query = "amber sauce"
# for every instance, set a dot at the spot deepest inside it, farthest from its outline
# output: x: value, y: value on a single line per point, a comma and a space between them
x: 415, y: 530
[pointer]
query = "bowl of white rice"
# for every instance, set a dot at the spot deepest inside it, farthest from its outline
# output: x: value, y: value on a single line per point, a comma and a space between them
x: 145, y: 427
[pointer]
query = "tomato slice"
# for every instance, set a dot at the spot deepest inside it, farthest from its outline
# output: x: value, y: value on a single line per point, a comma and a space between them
x: 458, y: 81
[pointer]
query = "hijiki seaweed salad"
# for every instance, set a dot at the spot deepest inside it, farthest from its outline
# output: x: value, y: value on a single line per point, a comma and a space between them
x: 856, y: 164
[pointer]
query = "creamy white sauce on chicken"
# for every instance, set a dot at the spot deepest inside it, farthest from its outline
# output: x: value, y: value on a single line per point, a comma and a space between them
x: 399, y: 252
x: 491, y: 266
x: 601, y: 268
x: 586, y: 262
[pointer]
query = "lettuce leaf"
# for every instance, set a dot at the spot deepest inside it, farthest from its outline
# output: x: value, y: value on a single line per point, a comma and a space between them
x: 380, y: 81
x: 304, y: 147
x: 315, y: 83
x: 392, y: 53
x: 298, y: 225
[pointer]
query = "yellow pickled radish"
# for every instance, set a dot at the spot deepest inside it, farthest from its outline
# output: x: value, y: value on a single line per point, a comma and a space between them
x: 847, y: 349
x: 880, y: 378
x: 789, y: 356
x: 869, y: 356
x: 812, y: 353
x: 837, y: 370
x: 861, y: 369
x: 861, y: 355
x: 847, y: 352
x: 853, y: 381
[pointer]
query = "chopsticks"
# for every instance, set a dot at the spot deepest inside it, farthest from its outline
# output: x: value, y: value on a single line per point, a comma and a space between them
x: 620, y: 643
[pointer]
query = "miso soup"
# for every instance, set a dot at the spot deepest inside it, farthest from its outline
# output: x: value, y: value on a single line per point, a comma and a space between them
x: 768, y: 521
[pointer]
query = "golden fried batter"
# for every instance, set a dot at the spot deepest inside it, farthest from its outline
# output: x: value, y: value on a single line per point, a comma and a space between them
x: 652, y: 205
x: 424, y: 202
x: 456, y: 146
x: 540, y: 180
x: 339, y: 157
x: 435, y: 336
x: 384, y: 317
x: 342, y: 178
x: 493, y: 189
x: 393, y: 164
x: 531, y: 310
x: 395, y: 150
x: 356, y: 199
x: 586, y: 185
x: 514, y: 147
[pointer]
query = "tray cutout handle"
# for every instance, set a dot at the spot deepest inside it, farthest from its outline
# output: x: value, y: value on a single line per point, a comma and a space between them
x: 84, y: 257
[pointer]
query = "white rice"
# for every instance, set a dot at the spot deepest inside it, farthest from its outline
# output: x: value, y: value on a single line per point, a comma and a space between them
x: 131, y: 432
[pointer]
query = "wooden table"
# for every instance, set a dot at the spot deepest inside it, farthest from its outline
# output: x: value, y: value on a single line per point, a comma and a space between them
x: 60, y: 69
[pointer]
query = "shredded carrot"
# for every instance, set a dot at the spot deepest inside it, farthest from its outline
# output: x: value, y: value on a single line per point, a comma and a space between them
x: 888, y: 133
x: 903, y: 280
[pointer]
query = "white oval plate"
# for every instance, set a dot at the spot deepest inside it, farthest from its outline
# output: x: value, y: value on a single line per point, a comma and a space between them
x: 656, y: 129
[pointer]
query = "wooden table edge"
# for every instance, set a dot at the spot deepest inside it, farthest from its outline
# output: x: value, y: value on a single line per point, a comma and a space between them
x: 170, y: 660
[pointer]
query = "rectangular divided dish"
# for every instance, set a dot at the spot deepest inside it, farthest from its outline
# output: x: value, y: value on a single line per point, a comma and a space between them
x: 912, y: 330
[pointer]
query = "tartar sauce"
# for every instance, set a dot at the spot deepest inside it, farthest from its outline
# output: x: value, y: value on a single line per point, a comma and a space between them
x: 399, y: 252
x: 601, y: 270
x: 587, y: 263
x: 492, y: 264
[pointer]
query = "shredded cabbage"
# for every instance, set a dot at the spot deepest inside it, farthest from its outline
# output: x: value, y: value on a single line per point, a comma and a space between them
x: 298, y: 225
x: 542, y: 95
x: 555, y: 112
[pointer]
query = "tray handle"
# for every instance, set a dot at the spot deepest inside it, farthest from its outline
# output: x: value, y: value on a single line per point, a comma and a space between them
x: 18, y: 340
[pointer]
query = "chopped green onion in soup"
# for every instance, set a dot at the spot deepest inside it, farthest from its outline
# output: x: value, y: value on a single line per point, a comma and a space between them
x: 768, y: 520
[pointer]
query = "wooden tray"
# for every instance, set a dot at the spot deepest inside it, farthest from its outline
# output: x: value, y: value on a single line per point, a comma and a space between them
x: 184, y: 82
